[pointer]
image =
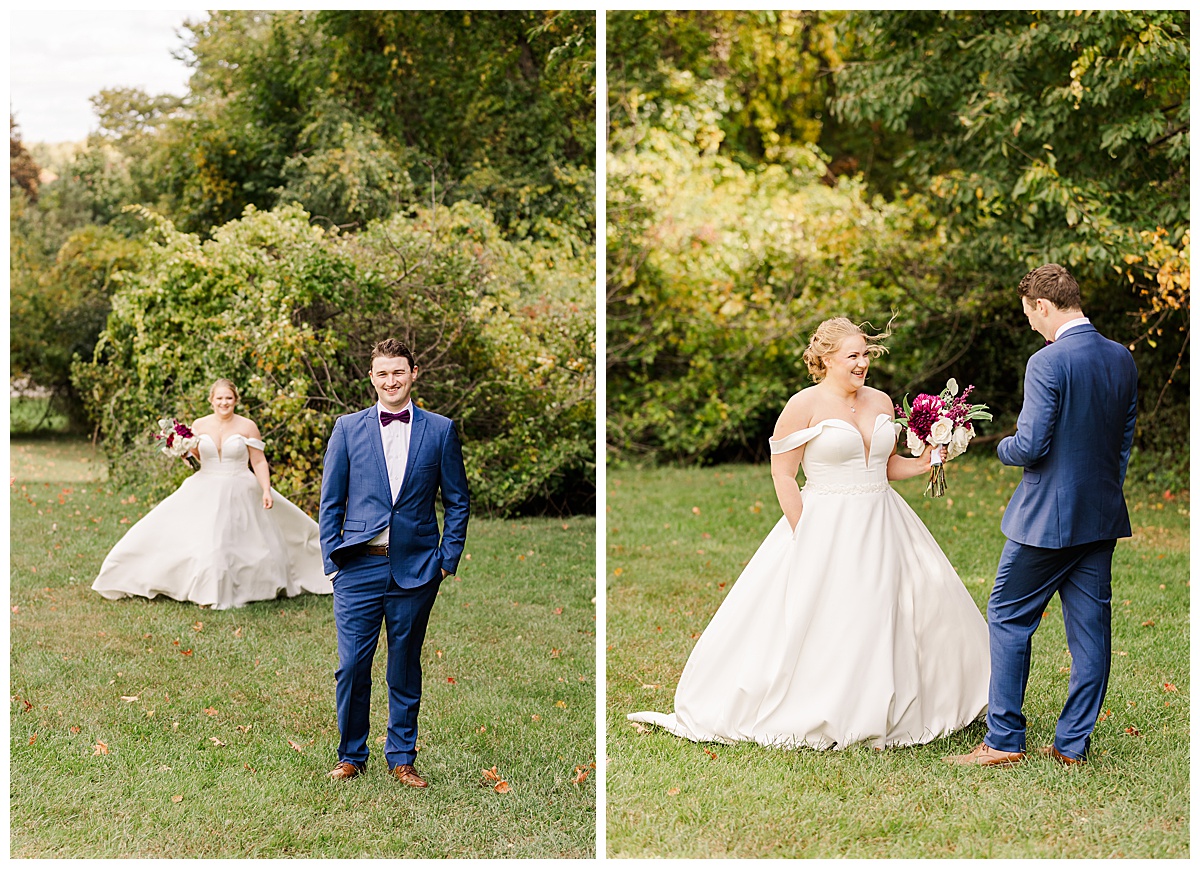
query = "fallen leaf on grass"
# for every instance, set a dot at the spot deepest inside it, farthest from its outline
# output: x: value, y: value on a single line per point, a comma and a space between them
x: 28, y: 705
x: 558, y: 611
x: 1167, y: 686
x: 673, y: 792
x: 1133, y: 731
x: 560, y: 704
x: 244, y: 728
x: 1107, y: 714
x: 650, y: 687
x: 439, y: 653
x: 208, y: 710
x: 536, y: 717
x: 129, y: 698
x: 711, y: 754
x: 187, y: 652
x: 640, y: 728
x: 451, y: 680
x: 198, y: 627
x: 33, y: 739
x: 502, y: 787
x: 1148, y: 623
x: 74, y: 730
x: 581, y: 775
x: 100, y: 748
x: 491, y: 774
x: 218, y: 743
x: 554, y: 653
x: 178, y: 798
x: 296, y: 746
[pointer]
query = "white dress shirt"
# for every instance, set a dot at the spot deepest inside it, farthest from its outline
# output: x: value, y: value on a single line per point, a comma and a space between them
x: 395, y: 454
x: 1070, y: 324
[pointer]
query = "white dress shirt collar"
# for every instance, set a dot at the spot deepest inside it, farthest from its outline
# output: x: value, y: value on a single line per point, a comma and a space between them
x: 1070, y: 324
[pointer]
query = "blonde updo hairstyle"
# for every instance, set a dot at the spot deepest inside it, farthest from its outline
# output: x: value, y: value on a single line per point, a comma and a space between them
x: 228, y: 384
x: 829, y: 337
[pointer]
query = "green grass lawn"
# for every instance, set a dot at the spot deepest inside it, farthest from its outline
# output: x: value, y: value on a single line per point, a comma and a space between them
x: 159, y: 729
x: 677, y: 540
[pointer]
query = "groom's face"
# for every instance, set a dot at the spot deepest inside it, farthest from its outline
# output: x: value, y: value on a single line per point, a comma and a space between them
x: 393, y: 380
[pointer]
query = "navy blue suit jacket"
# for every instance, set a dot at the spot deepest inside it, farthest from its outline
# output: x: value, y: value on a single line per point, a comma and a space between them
x: 356, y: 497
x: 1073, y: 439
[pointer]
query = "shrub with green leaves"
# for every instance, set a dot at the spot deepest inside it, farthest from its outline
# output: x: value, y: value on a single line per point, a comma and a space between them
x: 501, y: 332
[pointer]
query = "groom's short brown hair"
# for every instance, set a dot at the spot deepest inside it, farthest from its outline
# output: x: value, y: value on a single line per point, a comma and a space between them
x: 1053, y: 283
x: 392, y: 349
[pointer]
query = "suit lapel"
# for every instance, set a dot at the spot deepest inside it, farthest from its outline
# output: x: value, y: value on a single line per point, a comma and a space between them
x: 415, y: 435
x: 375, y: 439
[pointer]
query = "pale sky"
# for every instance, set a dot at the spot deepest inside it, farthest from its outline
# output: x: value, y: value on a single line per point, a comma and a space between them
x: 60, y: 58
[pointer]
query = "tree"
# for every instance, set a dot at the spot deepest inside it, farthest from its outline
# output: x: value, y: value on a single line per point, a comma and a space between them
x: 22, y: 170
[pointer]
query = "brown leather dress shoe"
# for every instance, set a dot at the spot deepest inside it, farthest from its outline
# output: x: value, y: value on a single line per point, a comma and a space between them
x: 984, y: 755
x: 408, y: 775
x: 1051, y: 751
x: 344, y: 770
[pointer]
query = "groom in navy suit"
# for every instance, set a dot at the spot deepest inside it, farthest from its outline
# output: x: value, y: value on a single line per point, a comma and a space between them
x: 1073, y: 439
x: 379, y: 531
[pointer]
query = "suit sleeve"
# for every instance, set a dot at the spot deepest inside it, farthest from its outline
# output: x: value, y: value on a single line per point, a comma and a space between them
x: 1035, y: 424
x: 1130, y: 426
x: 334, y: 488
x: 455, y: 499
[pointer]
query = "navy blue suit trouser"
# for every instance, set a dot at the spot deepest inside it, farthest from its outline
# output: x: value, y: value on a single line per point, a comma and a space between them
x: 1028, y: 576
x: 364, y: 599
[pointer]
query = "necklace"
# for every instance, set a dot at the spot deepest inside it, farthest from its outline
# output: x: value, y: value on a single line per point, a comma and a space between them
x: 853, y: 409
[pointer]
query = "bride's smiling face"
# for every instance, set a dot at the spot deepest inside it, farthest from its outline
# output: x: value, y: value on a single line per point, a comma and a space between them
x: 847, y: 366
x: 223, y: 402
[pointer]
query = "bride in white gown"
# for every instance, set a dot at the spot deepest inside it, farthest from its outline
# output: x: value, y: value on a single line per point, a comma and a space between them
x: 849, y: 624
x: 224, y: 538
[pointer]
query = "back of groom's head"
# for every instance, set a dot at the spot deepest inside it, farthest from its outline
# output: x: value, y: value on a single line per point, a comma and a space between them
x: 390, y: 348
x: 1053, y: 283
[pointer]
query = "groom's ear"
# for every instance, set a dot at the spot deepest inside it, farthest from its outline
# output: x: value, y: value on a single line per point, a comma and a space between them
x: 415, y: 372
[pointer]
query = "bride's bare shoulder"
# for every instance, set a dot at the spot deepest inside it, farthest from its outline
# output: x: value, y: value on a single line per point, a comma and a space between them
x: 796, y: 414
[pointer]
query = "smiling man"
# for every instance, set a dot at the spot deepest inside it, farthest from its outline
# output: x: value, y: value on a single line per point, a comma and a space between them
x: 384, y: 467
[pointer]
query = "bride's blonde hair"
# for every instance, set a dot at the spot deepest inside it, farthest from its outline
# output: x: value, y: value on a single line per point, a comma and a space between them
x: 829, y: 337
x: 228, y: 384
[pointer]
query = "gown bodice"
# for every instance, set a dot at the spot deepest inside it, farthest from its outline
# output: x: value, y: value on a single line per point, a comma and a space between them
x: 232, y: 456
x: 838, y: 460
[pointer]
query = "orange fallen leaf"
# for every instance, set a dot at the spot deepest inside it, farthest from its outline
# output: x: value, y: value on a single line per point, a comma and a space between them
x: 178, y: 798
x: 581, y: 774
x: 218, y: 743
x: 208, y: 710
x: 198, y: 626
x: 296, y: 746
x: 237, y: 632
x: 491, y: 774
x: 74, y: 729
x: 439, y: 653
x: 536, y: 717
x: 617, y: 571
x: 502, y: 787
x: 1133, y: 731
x: 450, y: 679
x: 1148, y: 623
x: 1167, y: 686
x: 711, y: 754
x: 558, y: 611
x: 673, y: 792
x: 554, y: 653
x: 696, y: 511
x: 100, y: 748
x: 187, y: 652
x: 561, y: 704
x: 33, y: 739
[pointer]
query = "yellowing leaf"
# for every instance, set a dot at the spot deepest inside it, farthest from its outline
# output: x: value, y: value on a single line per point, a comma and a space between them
x: 218, y: 743
x: 673, y: 792
x: 296, y: 746
x: 100, y: 748
x: 502, y: 787
x: 178, y: 798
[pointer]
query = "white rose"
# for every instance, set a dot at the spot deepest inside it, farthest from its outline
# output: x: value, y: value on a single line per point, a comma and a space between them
x: 163, y: 423
x: 958, y: 443
x: 941, y: 431
x: 915, y: 444
x: 952, y: 387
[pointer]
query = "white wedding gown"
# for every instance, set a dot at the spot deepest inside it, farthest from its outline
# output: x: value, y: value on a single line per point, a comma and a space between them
x: 211, y: 541
x: 854, y: 628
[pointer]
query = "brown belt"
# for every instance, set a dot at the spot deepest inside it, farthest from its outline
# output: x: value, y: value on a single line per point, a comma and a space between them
x: 376, y: 550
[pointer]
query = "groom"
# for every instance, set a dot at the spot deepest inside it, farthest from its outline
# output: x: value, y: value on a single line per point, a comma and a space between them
x: 1073, y: 439
x: 383, y: 468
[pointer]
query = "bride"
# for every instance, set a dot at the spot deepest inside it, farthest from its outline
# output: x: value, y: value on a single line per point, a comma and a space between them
x: 224, y: 538
x: 848, y: 624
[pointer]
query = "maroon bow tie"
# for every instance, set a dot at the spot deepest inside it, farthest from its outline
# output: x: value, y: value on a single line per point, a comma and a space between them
x: 386, y: 416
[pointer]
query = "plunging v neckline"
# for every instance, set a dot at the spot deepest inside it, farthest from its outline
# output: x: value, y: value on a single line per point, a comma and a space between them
x: 220, y: 446
x: 867, y: 442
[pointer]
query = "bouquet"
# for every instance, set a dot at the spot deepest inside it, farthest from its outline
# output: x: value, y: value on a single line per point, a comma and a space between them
x: 943, y: 422
x: 177, y: 440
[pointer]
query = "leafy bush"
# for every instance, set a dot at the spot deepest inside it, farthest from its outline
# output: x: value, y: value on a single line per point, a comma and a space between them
x: 289, y: 311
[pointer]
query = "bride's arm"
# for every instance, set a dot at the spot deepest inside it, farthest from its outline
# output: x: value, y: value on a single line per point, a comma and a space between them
x: 785, y: 466
x: 262, y: 470
x: 900, y: 468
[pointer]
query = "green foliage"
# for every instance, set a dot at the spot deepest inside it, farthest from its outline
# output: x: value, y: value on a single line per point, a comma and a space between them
x: 289, y: 311
x: 717, y: 276
x: 1050, y: 136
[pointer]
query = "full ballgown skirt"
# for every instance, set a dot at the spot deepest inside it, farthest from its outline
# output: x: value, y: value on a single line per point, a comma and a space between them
x: 854, y: 628
x: 212, y: 543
